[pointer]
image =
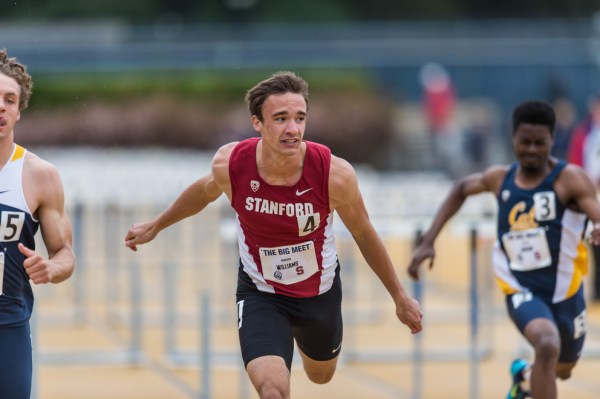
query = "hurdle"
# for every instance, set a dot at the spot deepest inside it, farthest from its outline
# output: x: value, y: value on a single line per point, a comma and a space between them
x: 128, y: 350
x: 417, y: 354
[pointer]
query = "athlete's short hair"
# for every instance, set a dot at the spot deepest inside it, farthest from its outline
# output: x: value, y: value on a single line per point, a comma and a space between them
x: 279, y: 83
x: 534, y: 112
x: 13, y: 69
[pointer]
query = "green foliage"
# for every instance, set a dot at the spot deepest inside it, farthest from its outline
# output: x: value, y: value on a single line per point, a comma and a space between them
x: 226, y: 87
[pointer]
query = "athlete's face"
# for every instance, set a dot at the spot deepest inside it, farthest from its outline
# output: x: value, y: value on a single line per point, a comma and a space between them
x: 283, y: 124
x: 532, y: 145
x: 9, y: 104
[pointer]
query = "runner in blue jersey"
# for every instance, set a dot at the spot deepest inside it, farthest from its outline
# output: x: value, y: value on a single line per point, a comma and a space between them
x: 540, y: 257
x: 31, y: 198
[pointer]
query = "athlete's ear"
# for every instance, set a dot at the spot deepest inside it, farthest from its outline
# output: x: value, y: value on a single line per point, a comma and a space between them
x: 256, y: 123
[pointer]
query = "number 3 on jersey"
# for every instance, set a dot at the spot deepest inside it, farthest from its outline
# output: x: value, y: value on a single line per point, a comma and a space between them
x: 308, y: 223
x: 545, y: 206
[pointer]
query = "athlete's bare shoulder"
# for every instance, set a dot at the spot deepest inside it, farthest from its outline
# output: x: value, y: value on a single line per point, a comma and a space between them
x: 574, y: 183
x: 39, y: 170
x: 343, y: 182
x: 41, y: 182
x: 221, y: 157
x: 572, y: 171
x: 493, y: 176
x: 220, y: 166
x: 339, y: 166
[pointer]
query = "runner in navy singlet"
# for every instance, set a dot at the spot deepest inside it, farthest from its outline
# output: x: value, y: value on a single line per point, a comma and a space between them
x: 540, y: 256
x: 285, y: 191
x: 31, y: 197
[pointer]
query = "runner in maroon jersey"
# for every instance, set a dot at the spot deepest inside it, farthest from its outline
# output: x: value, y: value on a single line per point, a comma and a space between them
x: 284, y: 191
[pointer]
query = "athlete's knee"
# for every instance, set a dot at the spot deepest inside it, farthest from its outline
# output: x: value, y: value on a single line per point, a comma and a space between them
x: 273, y: 391
x: 270, y: 377
x: 320, y: 376
x: 563, y: 374
x: 564, y: 371
x: 547, y: 349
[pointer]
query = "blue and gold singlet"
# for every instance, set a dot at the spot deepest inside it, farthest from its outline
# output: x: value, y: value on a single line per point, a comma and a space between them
x: 16, y: 225
x: 540, y: 242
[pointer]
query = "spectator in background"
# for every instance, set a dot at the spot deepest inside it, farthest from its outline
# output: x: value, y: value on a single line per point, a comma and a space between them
x: 439, y: 102
x: 477, y: 136
x: 565, y: 119
x: 584, y: 150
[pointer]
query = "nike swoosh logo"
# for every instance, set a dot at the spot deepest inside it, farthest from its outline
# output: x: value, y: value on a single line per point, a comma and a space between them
x: 5, y: 191
x: 337, y: 349
x: 299, y: 193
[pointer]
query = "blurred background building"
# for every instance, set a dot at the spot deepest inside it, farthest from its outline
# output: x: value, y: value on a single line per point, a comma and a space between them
x: 119, y: 73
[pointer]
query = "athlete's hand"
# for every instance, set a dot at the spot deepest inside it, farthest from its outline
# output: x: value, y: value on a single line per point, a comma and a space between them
x: 409, y: 312
x: 595, y: 235
x: 38, y: 268
x: 140, y: 233
x: 423, y: 252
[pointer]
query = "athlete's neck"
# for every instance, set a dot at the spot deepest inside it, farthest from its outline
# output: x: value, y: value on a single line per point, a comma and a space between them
x: 529, y: 177
x: 6, y: 151
x: 280, y: 170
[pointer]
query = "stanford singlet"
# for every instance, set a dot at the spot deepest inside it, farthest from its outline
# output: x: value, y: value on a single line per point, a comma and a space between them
x: 540, y: 242
x: 16, y: 225
x: 285, y: 234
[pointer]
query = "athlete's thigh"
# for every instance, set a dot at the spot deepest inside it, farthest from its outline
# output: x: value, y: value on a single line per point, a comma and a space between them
x: 15, y: 362
x: 570, y: 316
x: 263, y: 328
x: 525, y: 306
x: 318, y: 326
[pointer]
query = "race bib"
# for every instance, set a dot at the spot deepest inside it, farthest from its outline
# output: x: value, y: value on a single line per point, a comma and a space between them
x: 527, y: 249
x: 289, y: 264
x: 544, y: 204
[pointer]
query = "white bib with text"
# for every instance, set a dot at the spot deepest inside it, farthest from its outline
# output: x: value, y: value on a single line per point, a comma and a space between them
x: 527, y: 249
x: 289, y: 264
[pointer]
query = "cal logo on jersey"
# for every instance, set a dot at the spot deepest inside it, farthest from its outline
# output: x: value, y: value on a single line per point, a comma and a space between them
x: 519, y: 218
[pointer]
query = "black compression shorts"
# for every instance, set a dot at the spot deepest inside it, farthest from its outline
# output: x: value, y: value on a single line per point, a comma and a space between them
x: 269, y: 323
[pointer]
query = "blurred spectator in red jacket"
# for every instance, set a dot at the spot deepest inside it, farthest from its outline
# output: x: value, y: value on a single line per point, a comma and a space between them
x: 440, y: 106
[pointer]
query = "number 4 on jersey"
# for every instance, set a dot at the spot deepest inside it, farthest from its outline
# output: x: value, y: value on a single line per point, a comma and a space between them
x: 308, y: 223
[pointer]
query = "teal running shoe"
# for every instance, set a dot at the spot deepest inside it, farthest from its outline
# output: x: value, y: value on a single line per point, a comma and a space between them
x: 517, y: 369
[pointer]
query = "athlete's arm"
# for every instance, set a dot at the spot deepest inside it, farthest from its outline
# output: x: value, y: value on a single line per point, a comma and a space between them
x: 346, y: 199
x: 581, y: 191
x: 486, y: 181
x: 42, y: 181
x: 190, y: 202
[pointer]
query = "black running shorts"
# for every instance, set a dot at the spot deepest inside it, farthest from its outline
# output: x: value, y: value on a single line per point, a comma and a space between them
x: 269, y: 323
